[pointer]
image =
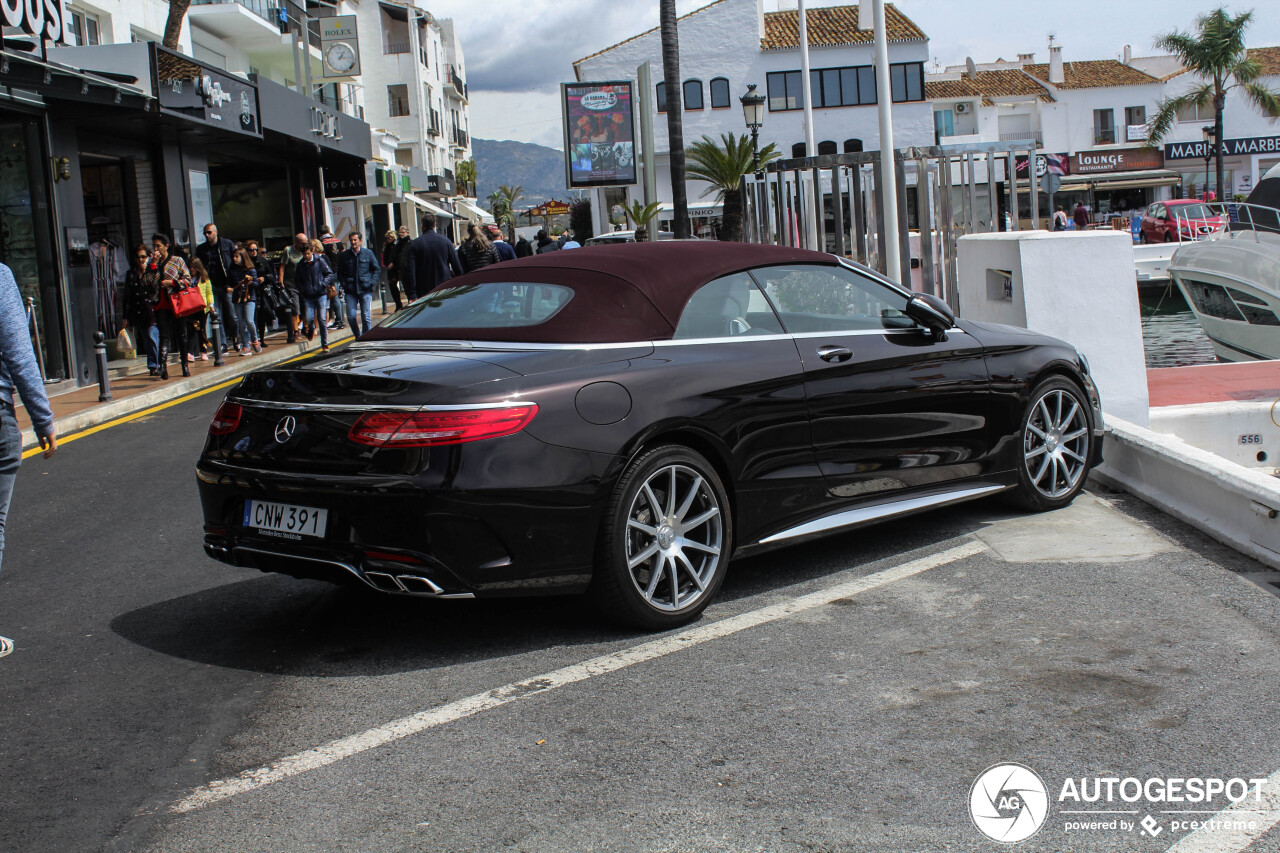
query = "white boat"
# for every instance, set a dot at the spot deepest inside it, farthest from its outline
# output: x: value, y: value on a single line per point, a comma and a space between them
x: 1232, y: 280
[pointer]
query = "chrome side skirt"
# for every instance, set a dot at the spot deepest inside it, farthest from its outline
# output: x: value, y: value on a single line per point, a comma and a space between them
x: 863, y: 515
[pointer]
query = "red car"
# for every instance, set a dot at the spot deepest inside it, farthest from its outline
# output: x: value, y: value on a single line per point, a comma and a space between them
x: 1179, y: 219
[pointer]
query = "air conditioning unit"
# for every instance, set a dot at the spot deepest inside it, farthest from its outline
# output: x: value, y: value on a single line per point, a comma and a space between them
x: 962, y: 108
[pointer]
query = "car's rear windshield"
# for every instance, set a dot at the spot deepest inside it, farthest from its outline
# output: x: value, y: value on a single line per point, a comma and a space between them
x: 490, y: 305
x: 1193, y: 211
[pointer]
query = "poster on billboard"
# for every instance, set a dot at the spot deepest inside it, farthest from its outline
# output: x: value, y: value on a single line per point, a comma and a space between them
x: 599, y: 134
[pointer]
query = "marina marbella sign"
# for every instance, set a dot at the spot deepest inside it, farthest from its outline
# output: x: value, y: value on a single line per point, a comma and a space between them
x: 1231, y: 147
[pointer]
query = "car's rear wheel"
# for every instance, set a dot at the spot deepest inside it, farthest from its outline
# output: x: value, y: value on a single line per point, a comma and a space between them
x: 1056, y: 447
x: 666, y: 540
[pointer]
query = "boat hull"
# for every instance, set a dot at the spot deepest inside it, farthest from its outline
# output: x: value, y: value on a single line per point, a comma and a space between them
x: 1232, y: 283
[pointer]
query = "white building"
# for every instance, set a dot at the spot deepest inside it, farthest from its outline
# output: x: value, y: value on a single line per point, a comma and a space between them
x: 730, y: 44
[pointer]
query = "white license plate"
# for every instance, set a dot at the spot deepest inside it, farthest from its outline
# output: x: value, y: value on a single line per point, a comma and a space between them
x: 285, y: 519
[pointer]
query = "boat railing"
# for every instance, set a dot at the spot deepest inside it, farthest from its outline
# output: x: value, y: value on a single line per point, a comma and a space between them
x: 1244, y: 217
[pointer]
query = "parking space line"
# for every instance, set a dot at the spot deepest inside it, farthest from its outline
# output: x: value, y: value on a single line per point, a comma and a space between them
x: 1227, y: 831
x: 347, y: 747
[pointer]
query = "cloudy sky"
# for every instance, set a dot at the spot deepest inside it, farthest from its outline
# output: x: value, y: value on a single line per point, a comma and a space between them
x: 517, y: 54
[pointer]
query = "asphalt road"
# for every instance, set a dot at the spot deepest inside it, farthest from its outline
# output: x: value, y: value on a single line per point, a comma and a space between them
x: 1102, y: 640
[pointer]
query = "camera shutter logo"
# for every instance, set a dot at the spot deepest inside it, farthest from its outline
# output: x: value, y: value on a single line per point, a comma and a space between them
x: 285, y: 428
x: 1009, y: 803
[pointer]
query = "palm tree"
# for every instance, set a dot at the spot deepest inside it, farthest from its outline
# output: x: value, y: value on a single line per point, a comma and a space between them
x: 510, y: 195
x: 724, y: 168
x: 173, y: 26
x: 466, y: 177
x: 642, y: 214
x: 1215, y: 52
x: 675, y: 115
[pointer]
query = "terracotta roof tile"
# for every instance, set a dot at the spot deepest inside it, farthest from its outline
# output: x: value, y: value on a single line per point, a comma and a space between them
x: 1268, y: 58
x: 833, y: 25
x: 986, y: 85
x: 1092, y: 74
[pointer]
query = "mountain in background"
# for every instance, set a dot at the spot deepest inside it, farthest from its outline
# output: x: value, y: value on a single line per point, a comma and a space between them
x: 537, y: 168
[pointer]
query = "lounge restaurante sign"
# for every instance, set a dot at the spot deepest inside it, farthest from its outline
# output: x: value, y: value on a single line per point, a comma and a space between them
x: 1119, y: 160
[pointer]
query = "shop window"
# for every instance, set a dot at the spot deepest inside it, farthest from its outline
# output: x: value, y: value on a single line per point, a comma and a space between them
x: 1104, y: 127
x: 662, y: 97
x: 826, y: 147
x: 719, y: 93
x: 693, y: 94
x: 852, y: 145
x: 398, y: 100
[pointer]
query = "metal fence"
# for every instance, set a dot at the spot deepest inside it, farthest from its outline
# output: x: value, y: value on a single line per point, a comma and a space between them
x: 834, y: 203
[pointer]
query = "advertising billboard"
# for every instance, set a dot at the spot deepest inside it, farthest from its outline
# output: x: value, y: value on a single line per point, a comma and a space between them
x: 599, y: 134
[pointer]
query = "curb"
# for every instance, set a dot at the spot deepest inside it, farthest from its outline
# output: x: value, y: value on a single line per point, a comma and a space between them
x: 173, y: 389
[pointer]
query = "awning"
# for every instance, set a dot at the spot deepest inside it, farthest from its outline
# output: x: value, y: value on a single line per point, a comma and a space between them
x: 694, y: 209
x: 428, y: 206
x: 470, y: 211
x: 1117, y: 180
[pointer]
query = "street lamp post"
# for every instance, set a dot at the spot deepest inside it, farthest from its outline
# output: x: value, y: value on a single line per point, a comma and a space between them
x: 753, y: 112
x: 1210, y: 137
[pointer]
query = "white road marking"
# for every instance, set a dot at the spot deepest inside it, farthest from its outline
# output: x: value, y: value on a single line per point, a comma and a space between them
x: 1264, y: 813
x: 337, y: 750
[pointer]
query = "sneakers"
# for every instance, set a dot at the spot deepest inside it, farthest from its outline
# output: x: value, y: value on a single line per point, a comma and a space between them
x: 6, y: 646
x: 204, y: 356
x: 244, y: 353
x: 324, y: 349
x: 256, y: 348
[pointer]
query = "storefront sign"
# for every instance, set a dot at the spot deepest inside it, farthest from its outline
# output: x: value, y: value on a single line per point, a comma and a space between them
x: 340, y: 46
x: 1046, y: 164
x: 1117, y: 160
x: 440, y: 184
x: 50, y: 19
x: 199, y: 93
x: 346, y: 181
x: 599, y: 134
x: 1230, y: 148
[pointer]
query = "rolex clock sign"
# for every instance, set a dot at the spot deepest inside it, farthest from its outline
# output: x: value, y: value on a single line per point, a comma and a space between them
x: 339, y: 46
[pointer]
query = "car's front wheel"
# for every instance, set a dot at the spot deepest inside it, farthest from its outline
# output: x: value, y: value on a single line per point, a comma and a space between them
x: 1056, y: 447
x: 666, y: 540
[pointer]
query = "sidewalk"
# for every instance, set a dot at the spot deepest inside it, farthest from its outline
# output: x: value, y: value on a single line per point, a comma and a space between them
x: 78, y: 409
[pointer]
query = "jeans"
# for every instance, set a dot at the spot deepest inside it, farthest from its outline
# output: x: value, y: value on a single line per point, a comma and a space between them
x: 244, y: 321
x: 316, y: 312
x: 149, y: 338
x: 227, y: 313
x: 10, y: 459
x: 337, y: 307
x: 364, y: 301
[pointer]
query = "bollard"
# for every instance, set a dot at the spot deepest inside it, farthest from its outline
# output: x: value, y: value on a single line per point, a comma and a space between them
x: 217, y: 340
x: 104, y: 381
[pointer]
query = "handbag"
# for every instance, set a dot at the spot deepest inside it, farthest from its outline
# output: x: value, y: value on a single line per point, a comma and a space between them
x: 186, y: 301
x: 124, y: 343
x: 333, y: 292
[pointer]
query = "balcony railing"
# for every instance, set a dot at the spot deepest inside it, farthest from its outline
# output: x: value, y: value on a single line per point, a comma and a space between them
x: 264, y: 9
x: 1104, y: 136
x: 398, y: 107
x: 461, y: 138
x: 453, y: 79
x: 398, y: 47
x: 1016, y: 135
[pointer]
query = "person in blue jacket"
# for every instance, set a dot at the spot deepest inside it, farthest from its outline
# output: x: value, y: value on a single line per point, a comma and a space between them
x: 359, y: 273
x: 18, y: 369
x: 313, y: 279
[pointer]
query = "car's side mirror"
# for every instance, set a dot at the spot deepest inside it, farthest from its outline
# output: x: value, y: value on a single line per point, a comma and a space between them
x: 931, y: 312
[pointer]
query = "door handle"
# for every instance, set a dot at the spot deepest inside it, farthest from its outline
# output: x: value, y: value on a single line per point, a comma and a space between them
x: 834, y: 353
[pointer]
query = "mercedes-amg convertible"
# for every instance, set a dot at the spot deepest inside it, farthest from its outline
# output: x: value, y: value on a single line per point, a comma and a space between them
x: 623, y: 420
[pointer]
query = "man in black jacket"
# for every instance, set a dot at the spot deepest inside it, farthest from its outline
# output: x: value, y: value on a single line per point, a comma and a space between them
x: 215, y: 254
x: 431, y: 260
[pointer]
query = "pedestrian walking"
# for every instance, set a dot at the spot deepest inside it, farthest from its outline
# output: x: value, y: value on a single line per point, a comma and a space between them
x: 139, y: 309
x: 289, y: 260
x: 403, y: 242
x: 267, y: 307
x: 314, y: 278
x: 476, y: 252
x: 244, y: 295
x: 358, y: 273
x: 215, y: 254
x: 1059, y: 219
x: 332, y: 248
x: 431, y: 259
x: 167, y: 274
x: 18, y: 369
x: 501, y: 246
x: 545, y: 243
x: 197, y: 336
x: 1081, y: 216
x: 523, y: 248
x: 567, y: 241
x: 388, y: 264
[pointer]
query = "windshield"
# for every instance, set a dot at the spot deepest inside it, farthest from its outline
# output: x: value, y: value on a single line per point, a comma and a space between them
x: 492, y: 305
x: 1193, y: 211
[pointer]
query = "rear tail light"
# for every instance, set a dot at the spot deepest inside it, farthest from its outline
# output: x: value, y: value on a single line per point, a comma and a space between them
x: 433, y: 428
x: 226, y: 420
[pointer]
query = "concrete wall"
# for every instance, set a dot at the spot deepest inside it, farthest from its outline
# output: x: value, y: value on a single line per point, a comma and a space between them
x: 1077, y: 286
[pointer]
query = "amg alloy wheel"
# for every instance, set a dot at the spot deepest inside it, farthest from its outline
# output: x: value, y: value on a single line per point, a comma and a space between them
x: 666, y: 540
x: 1056, y: 446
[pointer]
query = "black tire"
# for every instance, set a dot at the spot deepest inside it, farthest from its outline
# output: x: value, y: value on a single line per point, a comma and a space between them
x: 683, y: 574
x: 1055, y: 446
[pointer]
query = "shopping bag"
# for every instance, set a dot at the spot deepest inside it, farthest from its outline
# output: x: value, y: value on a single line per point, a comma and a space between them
x: 125, y: 344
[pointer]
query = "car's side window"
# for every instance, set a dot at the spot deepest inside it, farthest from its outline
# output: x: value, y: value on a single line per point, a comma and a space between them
x: 816, y: 298
x: 729, y: 307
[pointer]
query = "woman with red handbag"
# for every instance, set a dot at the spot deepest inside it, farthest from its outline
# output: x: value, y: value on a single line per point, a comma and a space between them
x: 173, y: 278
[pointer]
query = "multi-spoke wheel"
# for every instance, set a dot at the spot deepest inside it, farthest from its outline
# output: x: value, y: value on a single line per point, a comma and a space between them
x: 666, y: 540
x: 1056, y: 447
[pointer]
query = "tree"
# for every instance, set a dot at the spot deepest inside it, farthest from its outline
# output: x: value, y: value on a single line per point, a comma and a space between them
x: 173, y: 26
x: 510, y: 195
x: 724, y: 168
x: 675, y: 115
x: 642, y: 214
x: 580, y: 220
x: 466, y: 176
x: 1215, y: 52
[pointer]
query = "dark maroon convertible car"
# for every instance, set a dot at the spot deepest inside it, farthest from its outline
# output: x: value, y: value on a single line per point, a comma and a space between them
x: 622, y: 420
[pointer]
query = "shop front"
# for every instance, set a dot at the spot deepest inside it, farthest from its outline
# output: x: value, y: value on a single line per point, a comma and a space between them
x: 1245, y: 161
